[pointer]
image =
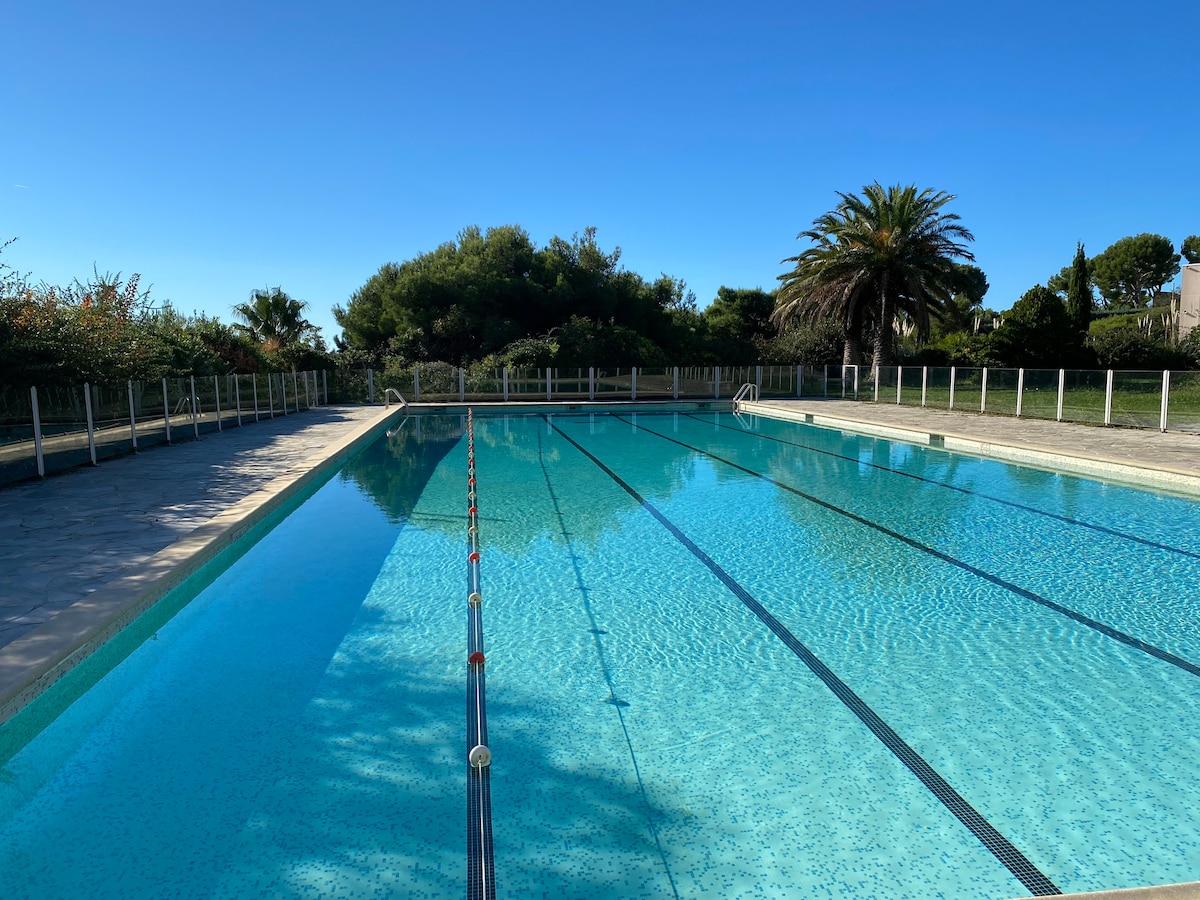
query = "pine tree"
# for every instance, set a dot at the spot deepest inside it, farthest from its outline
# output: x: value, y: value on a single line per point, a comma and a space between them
x: 1079, y: 295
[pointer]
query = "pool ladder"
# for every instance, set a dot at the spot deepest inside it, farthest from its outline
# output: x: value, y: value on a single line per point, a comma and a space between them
x: 748, y: 392
x: 387, y: 398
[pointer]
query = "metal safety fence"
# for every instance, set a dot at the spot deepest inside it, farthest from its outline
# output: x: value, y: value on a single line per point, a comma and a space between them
x: 50, y: 429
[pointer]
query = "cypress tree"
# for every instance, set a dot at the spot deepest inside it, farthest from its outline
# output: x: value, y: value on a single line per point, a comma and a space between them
x: 1079, y: 295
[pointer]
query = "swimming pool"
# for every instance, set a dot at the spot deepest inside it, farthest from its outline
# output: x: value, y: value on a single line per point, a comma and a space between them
x: 725, y: 659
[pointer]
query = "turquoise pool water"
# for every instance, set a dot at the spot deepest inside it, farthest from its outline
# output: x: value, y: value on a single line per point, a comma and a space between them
x: 725, y: 659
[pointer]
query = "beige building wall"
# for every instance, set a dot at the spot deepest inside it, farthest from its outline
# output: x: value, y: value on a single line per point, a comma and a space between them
x: 1189, y: 300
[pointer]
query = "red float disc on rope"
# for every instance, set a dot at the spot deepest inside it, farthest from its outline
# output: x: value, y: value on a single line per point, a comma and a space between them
x: 472, y: 511
x: 470, y: 481
x: 474, y: 557
x: 476, y: 658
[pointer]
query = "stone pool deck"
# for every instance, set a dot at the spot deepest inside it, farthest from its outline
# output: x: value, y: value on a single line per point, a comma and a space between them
x: 1169, y: 461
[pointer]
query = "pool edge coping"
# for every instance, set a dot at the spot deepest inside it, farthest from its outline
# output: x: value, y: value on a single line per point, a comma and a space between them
x: 1088, y: 466
x: 1185, y: 890
x: 35, y: 661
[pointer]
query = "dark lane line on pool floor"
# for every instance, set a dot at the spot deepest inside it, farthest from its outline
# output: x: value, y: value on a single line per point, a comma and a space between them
x: 1106, y: 630
x: 1103, y: 529
x: 1034, y: 880
x: 595, y: 631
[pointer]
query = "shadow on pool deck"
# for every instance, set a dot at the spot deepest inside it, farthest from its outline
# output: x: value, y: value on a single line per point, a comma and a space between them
x: 66, y: 536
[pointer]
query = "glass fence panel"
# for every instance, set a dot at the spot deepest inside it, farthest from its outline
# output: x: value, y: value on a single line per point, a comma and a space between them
x: 1083, y: 396
x: 911, y: 380
x: 110, y: 415
x: 1137, y: 399
x: 206, y: 403
x: 610, y: 382
x: 696, y: 382
x: 64, y: 428
x: 345, y: 386
x: 17, y: 457
x: 569, y: 383
x: 886, y: 382
x: 487, y: 383
x: 778, y: 381
x: 399, y: 378
x: 248, y: 398
x: 937, y: 387
x: 149, y: 408
x: 968, y: 389
x: 1039, y: 400
x: 814, y: 383
x: 439, y: 383
x: 656, y: 382
x: 732, y: 379
x: 296, y: 391
x: 526, y: 383
x: 1183, y: 409
x: 1002, y: 392
x: 179, y: 401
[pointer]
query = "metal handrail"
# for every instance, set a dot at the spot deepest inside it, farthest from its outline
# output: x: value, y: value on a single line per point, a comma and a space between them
x: 387, y: 394
x: 748, y: 392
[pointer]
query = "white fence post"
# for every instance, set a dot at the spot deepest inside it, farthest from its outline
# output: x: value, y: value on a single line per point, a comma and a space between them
x: 716, y: 382
x: 953, y: 378
x: 799, y: 381
x: 417, y: 384
x: 87, y: 408
x: 217, y: 392
x: 549, y: 394
x: 1108, y: 392
x: 167, y: 410
x: 237, y: 396
x: 370, y: 386
x: 132, y: 416
x: 1166, y: 394
x: 195, y: 407
x: 899, y: 381
x: 504, y: 377
x: 675, y: 382
x: 271, y: 393
x: 983, y: 394
x: 591, y: 382
x: 37, y: 431
x: 1062, y: 383
x: 462, y: 384
x: 1020, y: 390
x: 296, y: 389
x: 876, y: 370
x: 924, y: 384
x: 254, y: 391
x: 633, y: 383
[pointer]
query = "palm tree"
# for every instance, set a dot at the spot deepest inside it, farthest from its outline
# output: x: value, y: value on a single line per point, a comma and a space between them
x: 274, y: 319
x: 890, y: 251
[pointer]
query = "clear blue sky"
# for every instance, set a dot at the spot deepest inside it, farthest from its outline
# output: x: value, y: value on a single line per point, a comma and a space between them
x: 219, y: 147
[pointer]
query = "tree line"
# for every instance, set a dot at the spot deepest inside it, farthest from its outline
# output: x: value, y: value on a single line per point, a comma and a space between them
x: 495, y: 297
x: 108, y: 329
x: 887, y: 275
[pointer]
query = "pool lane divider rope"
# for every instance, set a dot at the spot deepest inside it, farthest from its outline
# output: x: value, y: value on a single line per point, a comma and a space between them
x: 1102, y: 529
x: 481, y: 868
x: 1106, y: 630
x: 1034, y: 880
